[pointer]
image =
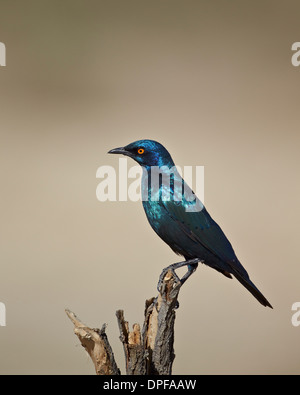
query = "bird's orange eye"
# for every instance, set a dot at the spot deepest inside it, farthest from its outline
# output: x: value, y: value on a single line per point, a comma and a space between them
x: 141, y: 151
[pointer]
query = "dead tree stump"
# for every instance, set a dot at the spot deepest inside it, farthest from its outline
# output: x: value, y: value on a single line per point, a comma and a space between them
x: 147, y: 352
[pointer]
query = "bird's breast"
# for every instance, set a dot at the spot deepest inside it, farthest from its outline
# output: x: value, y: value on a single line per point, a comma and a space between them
x: 154, y: 213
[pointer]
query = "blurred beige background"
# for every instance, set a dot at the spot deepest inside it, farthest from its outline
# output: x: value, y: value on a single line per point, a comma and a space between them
x: 212, y: 81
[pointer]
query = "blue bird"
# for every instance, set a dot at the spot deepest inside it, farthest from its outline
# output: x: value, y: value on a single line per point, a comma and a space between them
x: 180, y: 219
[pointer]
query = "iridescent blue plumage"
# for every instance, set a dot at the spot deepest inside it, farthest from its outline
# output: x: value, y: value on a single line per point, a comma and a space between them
x: 180, y: 219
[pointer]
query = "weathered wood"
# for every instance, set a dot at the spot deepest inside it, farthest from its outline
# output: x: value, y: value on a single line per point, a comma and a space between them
x: 132, y: 345
x: 148, y: 353
x: 96, y: 344
x: 158, y: 330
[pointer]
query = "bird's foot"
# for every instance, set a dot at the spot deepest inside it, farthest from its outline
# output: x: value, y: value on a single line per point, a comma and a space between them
x: 163, y: 274
x: 192, y: 266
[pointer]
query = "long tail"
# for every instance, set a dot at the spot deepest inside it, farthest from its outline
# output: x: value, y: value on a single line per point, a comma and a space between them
x: 247, y: 283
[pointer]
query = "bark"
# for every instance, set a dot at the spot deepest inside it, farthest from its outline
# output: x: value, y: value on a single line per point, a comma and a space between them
x: 147, y: 352
x: 96, y: 344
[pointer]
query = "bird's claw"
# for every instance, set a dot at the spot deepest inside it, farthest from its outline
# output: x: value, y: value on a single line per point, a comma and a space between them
x: 162, y: 276
x: 174, y: 266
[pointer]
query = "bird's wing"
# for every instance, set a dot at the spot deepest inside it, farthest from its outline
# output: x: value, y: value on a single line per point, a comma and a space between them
x: 193, y: 219
x: 200, y: 227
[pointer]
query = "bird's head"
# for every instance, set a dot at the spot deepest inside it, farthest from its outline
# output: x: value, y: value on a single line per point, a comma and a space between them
x: 146, y: 152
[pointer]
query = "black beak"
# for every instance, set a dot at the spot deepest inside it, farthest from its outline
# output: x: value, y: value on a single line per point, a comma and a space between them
x: 120, y: 150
